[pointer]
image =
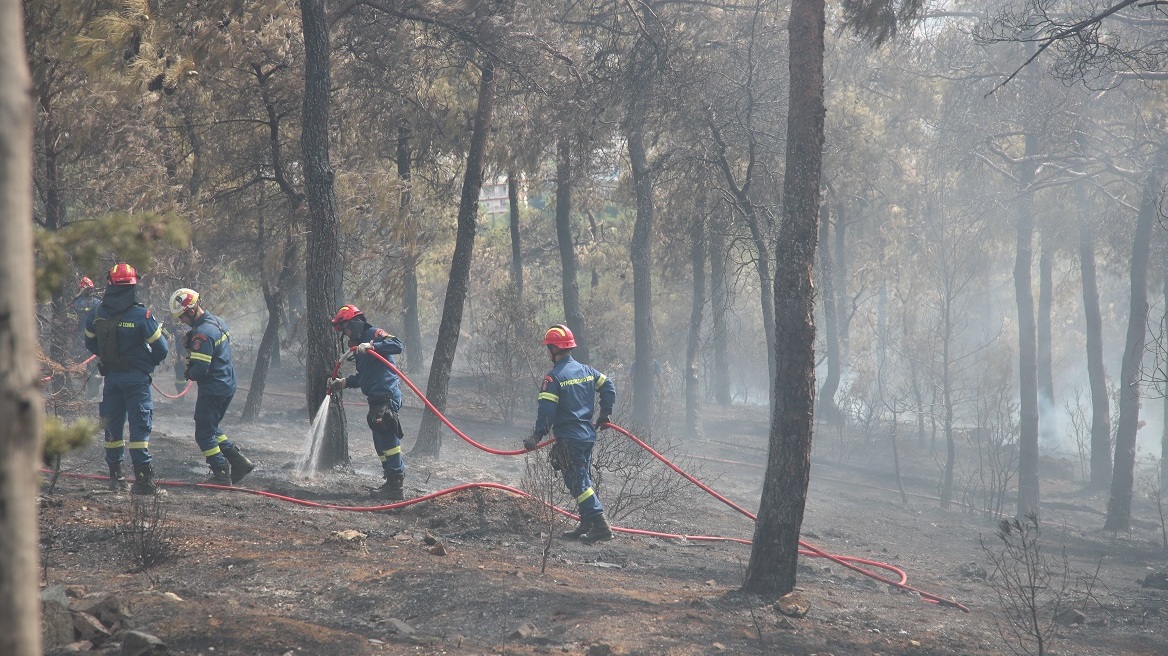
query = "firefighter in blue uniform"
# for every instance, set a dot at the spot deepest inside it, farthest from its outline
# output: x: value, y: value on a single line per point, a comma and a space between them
x: 383, y: 389
x: 208, y: 349
x: 84, y: 305
x: 567, y: 400
x: 129, y: 343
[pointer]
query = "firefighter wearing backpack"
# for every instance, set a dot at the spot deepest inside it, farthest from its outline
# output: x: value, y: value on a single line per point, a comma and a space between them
x: 567, y: 400
x: 380, y: 384
x: 208, y: 348
x: 129, y: 343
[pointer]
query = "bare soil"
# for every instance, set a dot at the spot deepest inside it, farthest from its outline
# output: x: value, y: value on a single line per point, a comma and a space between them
x: 255, y: 575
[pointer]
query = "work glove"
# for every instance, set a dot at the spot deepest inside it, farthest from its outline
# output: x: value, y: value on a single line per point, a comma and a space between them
x: 351, y: 356
x: 531, y: 441
x: 336, y: 384
x: 601, y: 421
x: 364, y: 346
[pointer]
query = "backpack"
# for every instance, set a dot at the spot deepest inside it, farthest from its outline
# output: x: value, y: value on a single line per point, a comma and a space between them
x: 106, y: 330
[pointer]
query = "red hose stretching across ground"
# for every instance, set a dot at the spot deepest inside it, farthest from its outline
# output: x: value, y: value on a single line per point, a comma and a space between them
x: 808, y: 549
x: 77, y: 366
x: 176, y: 396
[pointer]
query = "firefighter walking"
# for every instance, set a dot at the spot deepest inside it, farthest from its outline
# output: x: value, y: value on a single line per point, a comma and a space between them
x: 567, y: 401
x: 129, y: 344
x: 208, y: 349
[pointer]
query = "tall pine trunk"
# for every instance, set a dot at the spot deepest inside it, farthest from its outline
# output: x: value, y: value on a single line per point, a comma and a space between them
x: 568, y: 276
x: 831, y: 380
x: 20, y: 398
x: 775, y: 550
x: 1123, y: 474
x: 413, y: 353
x: 1096, y: 373
x: 516, y: 246
x: 429, y: 436
x: 641, y: 252
x: 697, y: 258
x: 1028, y: 493
x: 323, y: 257
x: 719, y: 306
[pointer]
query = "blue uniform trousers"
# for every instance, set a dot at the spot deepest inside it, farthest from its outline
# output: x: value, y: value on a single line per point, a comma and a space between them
x: 127, y: 395
x: 575, y: 459
x: 209, y: 411
x: 387, y: 434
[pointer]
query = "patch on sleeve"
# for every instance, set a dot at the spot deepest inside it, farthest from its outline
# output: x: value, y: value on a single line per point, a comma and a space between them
x: 547, y: 381
x: 380, y: 334
x: 197, y: 341
x: 148, y: 313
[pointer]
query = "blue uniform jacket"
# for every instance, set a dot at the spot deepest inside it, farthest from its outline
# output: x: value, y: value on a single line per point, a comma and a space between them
x: 209, y: 356
x: 84, y: 307
x: 567, y: 399
x: 373, y: 377
x: 140, y: 337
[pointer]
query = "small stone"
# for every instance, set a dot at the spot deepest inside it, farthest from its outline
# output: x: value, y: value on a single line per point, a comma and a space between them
x: 438, y: 549
x: 172, y: 596
x: 397, y: 626
x: 1070, y: 617
x: 136, y: 643
x: 88, y: 627
x: 525, y: 631
x: 793, y: 605
x: 430, y: 539
x: 915, y: 643
x: 599, y: 649
x: 718, y: 646
x: 711, y: 583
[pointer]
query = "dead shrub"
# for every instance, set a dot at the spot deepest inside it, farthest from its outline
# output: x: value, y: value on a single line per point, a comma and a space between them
x: 146, y: 538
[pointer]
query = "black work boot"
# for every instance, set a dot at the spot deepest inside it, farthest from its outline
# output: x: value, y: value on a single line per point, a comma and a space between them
x: 392, y: 488
x: 579, y: 531
x: 240, y: 465
x: 144, y: 481
x: 599, y: 532
x: 220, y: 473
x: 117, y: 482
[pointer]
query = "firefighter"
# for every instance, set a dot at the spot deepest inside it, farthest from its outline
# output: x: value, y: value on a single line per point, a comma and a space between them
x: 381, y: 385
x: 129, y: 343
x: 567, y: 401
x: 208, y: 363
x: 84, y: 305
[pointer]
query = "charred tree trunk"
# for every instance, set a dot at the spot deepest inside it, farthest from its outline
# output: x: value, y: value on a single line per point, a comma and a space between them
x: 429, y: 437
x: 775, y: 550
x: 270, y: 342
x: 697, y: 257
x: 1045, y: 358
x: 20, y: 398
x: 831, y: 381
x: 568, y: 274
x: 1028, y: 493
x: 1096, y: 373
x: 1123, y: 475
x: 719, y: 304
x: 641, y: 251
x: 53, y: 202
x: 516, y: 249
x: 323, y: 261
x: 415, y: 359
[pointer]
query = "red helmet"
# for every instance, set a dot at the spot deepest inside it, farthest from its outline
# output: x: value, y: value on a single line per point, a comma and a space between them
x: 346, y: 314
x: 123, y: 274
x: 559, y: 336
x: 85, y: 283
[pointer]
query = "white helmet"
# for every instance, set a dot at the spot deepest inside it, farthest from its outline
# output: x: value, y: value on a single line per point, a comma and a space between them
x: 182, y: 300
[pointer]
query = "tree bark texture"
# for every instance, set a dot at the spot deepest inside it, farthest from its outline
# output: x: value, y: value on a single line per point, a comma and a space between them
x: 323, y: 261
x: 516, y: 244
x: 1096, y: 373
x: 568, y: 272
x: 1123, y: 474
x: 697, y: 258
x: 1028, y: 493
x: 641, y: 252
x: 719, y: 305
x: 20, y: 397
x: 415, y: 360
x: 429, y: 436
x: 775, y: 552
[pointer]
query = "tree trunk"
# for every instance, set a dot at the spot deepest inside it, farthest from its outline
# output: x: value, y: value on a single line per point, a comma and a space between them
x: 1123, y: 475
x: 1096, y: 373
x: 775, y: 551
x: 697, y: 240
x: 516, y: 249
x: 719, y: 305
x: 831, y: 380
x: 1046, y: 408
x: 54, y: 208
x: 415, y: 359
x: 641, y: 251
x: 20, y: 398
x: 1164, y: 399
x: 568, y: 276
x: 1027, y: 356
x: 843, y: 299
x: 429, y: 436
x: 323, y: 261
